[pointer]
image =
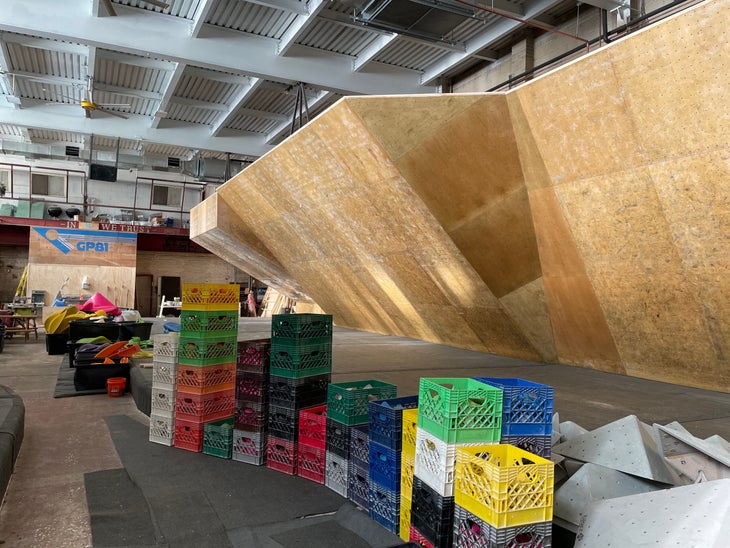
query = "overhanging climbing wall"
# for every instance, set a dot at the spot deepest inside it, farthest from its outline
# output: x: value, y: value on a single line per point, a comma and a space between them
x: 582, y: 218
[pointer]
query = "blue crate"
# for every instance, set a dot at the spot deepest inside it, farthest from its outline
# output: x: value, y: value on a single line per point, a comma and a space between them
x: 358, y: 486
x: 385, y: 420
x: 384, y: 506
x: 527, y: 407
x: 385, y: 466
x: 360, y: 447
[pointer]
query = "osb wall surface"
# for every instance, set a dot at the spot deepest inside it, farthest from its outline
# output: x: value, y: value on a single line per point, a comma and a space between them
x: 582, y: 218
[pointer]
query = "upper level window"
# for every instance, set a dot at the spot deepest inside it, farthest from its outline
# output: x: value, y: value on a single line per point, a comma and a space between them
x: 5, y: 182
x: 47, y: 184
x: 164, y: 195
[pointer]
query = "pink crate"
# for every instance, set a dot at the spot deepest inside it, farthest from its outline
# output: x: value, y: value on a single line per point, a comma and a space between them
x: 205, y: 407
x: 418, y: 538
x: 281, y: 455
x: 313, y: 426
x: 189, y: 435
x: 254, y: 355
x: 311, y: 462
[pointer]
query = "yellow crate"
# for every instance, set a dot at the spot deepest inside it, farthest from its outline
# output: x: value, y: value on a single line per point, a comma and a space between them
x: 504, y: 485
x: 409, y: 419
x: 407, y: 467
x: 198, y: 296
x: 404, y: 530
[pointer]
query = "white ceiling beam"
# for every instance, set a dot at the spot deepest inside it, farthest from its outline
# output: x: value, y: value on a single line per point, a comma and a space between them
x: 244, y: 93
x: 60, y: 118
x: 293, y: 6
x: 8, y: 81
x: 90, y: 62
x: 300, y: 26
x: 167, y: 38
x: 173, y: 77
x: 215, y: 75
x: 495, y: 32
x: 71, y: 46
x: 62, y: 80
x: 199, y: 17
x: 262, y: 114
x: 373, y: 50
x: 195, y: 103
x: 137, y: 61
x: 285, y: 128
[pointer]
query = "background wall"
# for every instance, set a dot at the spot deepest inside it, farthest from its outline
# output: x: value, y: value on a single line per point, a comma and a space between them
x: 13, y: 259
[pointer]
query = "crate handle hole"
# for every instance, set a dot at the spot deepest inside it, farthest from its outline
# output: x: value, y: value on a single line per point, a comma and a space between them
x: 338, y: 396
x: 382, y: 417
x: 476, y: 402
x: 373, y: 397
x: 431, y: 445
x: 474, y: 527
x: 433, y: 393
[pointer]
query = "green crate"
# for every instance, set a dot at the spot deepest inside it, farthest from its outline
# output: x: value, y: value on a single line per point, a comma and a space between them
x: 347, y: 402
x: 218, y: 438
x: 458, y: 410
x: 209, y: 323
x: 301, y: 326
x: 196, y: 351
x: 295, y: 360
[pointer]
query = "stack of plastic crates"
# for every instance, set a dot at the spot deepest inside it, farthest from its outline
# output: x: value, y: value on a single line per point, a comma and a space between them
x: 164, y: 383
x: 252, y: 397
x: 385, y: 462
x: 503, y: 497
x: 206, y: 372
x: 311, y: 443
x: 301, y: 370
x: 527, y: 414
x: 452, y: 413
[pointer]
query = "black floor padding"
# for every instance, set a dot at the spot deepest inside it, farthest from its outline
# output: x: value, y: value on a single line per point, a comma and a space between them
x: 118, y: 510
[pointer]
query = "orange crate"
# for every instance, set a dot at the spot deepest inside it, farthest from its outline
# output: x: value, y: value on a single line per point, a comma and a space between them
x: 205, y: 407
x: 193, y: 379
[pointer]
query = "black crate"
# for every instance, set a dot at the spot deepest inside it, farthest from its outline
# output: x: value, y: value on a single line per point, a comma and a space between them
x: 359, y: 447
x: 114, y: 331
x: 338, y: 438
x: 432, y: 514
x: 250, y: 416
x: 94, y: 377
x: 358, y: 486
x: 56, y: 343
x: 253, y: 355
x: 298, y: 393
x: 251, y: 386
x: 283, y: 422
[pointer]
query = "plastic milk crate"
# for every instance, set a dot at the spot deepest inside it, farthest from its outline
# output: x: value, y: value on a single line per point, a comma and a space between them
x: 218, y: 438
x: 311, y: 462
x: 359, y: 447
x: 298, y: 393
x: 281, y: 455
x: 205, y: 407
x: 435, y: 461
x: 165, y: 348
x: 249, y: 447
x: 407, y: 471
x: 384, y: 506
x: 253, y: 355
x: 201, y: 296
x: 294, y: 360
x: 385, y: 466
x: 250, y: 416
x: 504, y: 485
x: 409, y: 419
x: 527, y: 407
x: 192, y: 379
x: 252, y: 386
x: 385, y: 420
x: 189, y: 435
x: 163, y: 401
x: 301, y: 326
x: 164, y: 374
x: 419, y: 538
x: 470, y: 531
x: 405, y: 517
x: 283, y: 422
x: 336, y: 473
x: 162, y: 429
x: 537, y: 445
x: 347, y: 402
x: 358, y: 486
x: 432, y: 514
x: 459, y: 410
x: 313, y: 426
x: 209, y: 323
x: 194, y: 351
x: 339, y: 437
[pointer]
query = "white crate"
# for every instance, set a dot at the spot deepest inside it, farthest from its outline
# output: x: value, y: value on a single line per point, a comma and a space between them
x: 164, y: 374
x: 336, y: 473
x: 166, y: 347
x: 249, y: 447
x: 436, y: 461
x: 163, y: 401
x: 162, y: 429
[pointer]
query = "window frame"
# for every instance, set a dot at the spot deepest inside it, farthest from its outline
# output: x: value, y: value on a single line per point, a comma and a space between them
x: 49, y: 175
x: 177, y: 188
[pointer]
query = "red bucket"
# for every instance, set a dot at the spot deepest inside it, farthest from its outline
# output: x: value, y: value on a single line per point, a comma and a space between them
x: 115, y: 386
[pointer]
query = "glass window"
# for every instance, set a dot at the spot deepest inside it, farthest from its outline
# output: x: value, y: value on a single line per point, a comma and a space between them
x: 47, y: 184
x: 5, y: 182
x: 164, y: 195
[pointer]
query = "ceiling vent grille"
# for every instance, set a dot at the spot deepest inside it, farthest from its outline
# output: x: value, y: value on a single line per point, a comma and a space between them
x: 72, y: 151
x: 173, y: 162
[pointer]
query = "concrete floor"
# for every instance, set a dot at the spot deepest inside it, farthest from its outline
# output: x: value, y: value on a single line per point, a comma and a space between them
x: 45, y: 505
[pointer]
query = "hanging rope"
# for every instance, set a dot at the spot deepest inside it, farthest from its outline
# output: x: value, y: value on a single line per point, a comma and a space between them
x: 301, y: 109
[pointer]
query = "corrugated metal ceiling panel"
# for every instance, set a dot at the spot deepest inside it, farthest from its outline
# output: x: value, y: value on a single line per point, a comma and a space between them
x: 178, y: 8
x: 410, y: 54
x: 272, y: 98
x: 252, y: 123
x: 203, y: 89
x: 46, y: 61
x: 44, y: 91
x: 9, y: 130
x: 51, y: 136
x: 251, y: 18
x: 192, y: 115
x: 131, y: 76
x: 334, y: 37
x: 136, y: 105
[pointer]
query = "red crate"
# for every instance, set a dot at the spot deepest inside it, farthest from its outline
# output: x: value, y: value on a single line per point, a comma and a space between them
x: 418, y: 538
x: 193, y: 379
x: 311, y: 462
x: 281, y: 455
x: 189, y: 435
x: 205, y: 407
x: 313, y: 426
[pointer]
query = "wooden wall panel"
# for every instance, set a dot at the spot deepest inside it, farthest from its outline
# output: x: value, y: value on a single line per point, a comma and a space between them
x: 116, y: 283
x: 82, y: 247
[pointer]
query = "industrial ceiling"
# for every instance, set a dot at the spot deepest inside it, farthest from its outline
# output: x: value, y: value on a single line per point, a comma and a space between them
x: 187, y: 78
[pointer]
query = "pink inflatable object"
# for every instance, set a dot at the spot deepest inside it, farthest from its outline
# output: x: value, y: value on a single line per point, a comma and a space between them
x: 100, y: 302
